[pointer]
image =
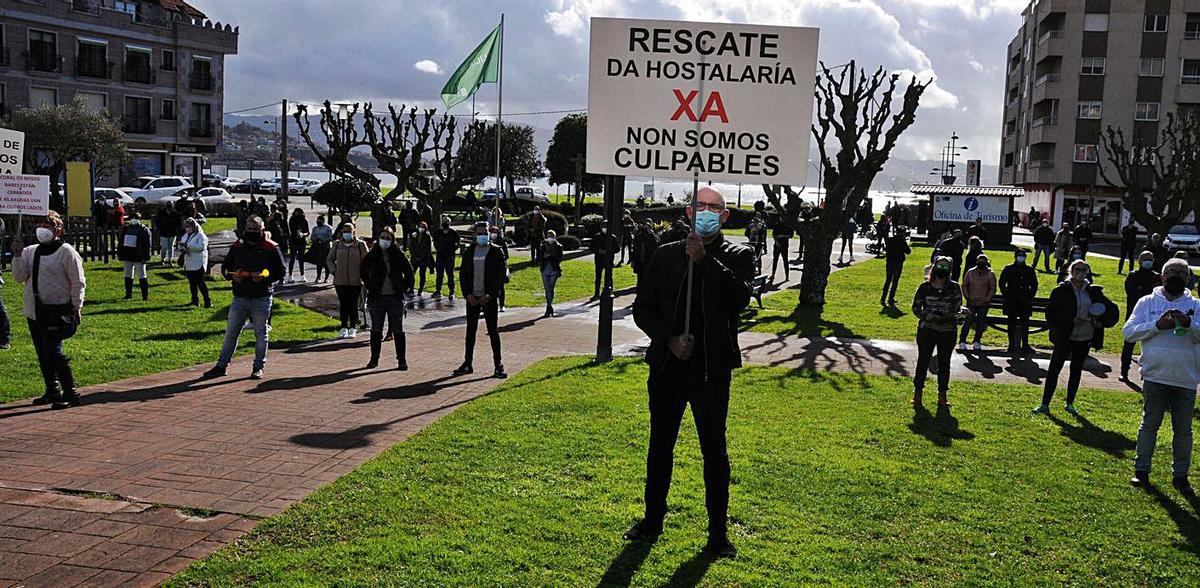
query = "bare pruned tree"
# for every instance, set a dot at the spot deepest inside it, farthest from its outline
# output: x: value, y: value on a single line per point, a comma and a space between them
x: 452, y: 161
x: 1158, y: 181
x: 341, y: 137
x: 862, y: 130
x: 398, y: 142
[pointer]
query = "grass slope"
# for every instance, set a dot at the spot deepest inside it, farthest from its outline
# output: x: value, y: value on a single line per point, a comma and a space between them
x: 834, y: 481
x: 852, y: 303
x: 126, y: 338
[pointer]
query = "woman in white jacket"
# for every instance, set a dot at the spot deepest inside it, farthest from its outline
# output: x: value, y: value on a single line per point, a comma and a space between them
x: 194, y: 244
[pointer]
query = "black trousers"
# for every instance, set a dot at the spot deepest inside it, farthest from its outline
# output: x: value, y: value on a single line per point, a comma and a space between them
x: 490, y: 314
x: 780, y: 252
x: 604, y: 271
x: 445, y: 267
x: 892, y: 281
x: 1077, y: 353
x: 1126, y: 356
x: 54, y: 364
x: 929, y: 340
x: 1018, y: 330
x: 1129, y: 251
x: 348, y: 305
x: 197, y: 285
x: 669, y: 395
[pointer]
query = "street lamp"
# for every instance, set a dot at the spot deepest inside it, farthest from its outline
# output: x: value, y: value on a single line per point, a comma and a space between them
x: 950, y: 152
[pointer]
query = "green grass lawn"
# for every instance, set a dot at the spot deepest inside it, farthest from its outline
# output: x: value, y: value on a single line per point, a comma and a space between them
x: 852, y: 303
x: 125, y: 338
x: 217, y: 224
x: 577, y: 281
x: 533, y: 484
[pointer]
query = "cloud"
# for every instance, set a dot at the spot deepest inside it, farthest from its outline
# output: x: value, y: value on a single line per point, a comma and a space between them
x: 428, y: 66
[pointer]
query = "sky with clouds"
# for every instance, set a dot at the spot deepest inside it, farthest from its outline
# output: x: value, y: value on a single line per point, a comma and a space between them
x: 402, y: 51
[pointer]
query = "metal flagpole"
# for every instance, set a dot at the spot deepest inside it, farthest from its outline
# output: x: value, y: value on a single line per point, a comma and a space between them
x: 499, y: 107
x: 687, y: 317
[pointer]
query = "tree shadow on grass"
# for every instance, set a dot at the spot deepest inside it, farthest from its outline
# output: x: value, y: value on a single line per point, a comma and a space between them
x: 811, y: 357
x: 940, y: 429
x: 805, y: 320
x: 1089, y: 435
x: 621, y: 570
x: 1185, y: 520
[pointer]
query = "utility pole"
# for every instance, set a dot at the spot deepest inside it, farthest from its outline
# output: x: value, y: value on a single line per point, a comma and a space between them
x: 578, y: 160
x: 614, y: 198
x: 284, y: 164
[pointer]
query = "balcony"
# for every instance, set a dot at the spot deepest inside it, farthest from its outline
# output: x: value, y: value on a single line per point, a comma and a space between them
x: 138, y: 125
x: 1043, y: 130
x: 139, y: 74
x: 201, y: 81
x: 1040, y: 164
x: 1187, y: 93
x: 200, y: 130
x: 88, y: 67
x: 43, y: 61
x: 1045, y: 87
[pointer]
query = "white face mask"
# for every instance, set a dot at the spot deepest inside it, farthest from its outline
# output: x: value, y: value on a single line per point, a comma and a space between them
x: 385, y: 243
x: 44, y: 235
x: 551, y: 240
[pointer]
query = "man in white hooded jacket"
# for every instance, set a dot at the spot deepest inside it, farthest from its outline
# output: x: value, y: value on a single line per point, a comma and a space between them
x: 1164, y: 322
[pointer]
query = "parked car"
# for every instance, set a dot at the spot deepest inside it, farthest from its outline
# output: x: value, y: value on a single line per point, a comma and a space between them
x: 272, y: 185
x: 155, y: 188
x: 210, y: 180
x: 531, y: 194
x: 248, y: 186
x: 207, y: 196
x: 303, y: 187
x: 229, y: 183
x: 1183, y: 238
x: 109, y: 194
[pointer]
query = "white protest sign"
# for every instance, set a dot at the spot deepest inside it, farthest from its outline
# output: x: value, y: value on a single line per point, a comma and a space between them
x: 12, y: 147
x: 965, y: 209
x: 24, y: 194
x: 731, y: 102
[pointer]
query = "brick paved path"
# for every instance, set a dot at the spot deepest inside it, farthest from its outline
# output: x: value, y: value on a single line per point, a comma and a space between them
x: 154, y: 472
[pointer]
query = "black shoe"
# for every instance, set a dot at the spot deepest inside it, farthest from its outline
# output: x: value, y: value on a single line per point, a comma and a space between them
x: 499, y: 374
x: 207, y: 304
x: 643, y: 531
x: 1140, y: 479
x: 48, y: 398
x: 401, y: 365
x: 464, y: 369
x: 720, y: 547
x: 1124, y: 372
x: 1183, y: 486
x: 215, y: 371
x: 68, y: 400
x: 374, y: 363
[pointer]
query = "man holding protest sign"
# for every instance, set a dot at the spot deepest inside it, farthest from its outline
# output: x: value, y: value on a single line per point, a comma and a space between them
x: 691, y: 359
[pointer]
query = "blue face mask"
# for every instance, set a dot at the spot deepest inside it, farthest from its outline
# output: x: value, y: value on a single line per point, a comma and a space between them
x: 481, y: 239
x: 708, y: 223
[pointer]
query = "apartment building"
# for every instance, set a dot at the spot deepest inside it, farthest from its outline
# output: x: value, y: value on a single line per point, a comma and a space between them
x: 157, y: 64
x: 1075, y: 68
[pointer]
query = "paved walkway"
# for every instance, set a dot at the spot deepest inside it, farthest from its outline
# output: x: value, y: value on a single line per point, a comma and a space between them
x: 154, y: 472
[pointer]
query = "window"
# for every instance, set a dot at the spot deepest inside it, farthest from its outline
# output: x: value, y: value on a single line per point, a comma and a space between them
x: 137, y: 116
x: 1155, y: 23
x: 42, y: 96
x: 1095, y: 22
x: 95, y: 101
x: 202, y: 78
x: 168, y: 60
x: 137, y: 65
x: 1085, y: 154
x: 43, y: 51
x: 1190, y: 74
x: 1089, y: 109
x: 1145, y: 111
x: 127, y: 7
x: 1191, y: 28
x: 201, y: 120
x: 92, y: 59
x: 1091, y: 66
x: 1151, y: 67
x: 168, y: 109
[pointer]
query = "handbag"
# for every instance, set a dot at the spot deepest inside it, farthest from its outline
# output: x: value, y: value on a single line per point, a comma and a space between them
x: 55, y: 320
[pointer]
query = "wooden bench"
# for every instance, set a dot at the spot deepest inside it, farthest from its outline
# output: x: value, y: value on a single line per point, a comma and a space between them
x: 1037, y: 319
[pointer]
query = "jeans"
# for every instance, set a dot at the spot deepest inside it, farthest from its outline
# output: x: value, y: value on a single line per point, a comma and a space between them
x: 978, y: 320
x: 1181, y: 402
x: 927, y: 341
x: 390, y: 307
x: 489, y: 310
x: 320, y: 252
x: 348, y: 305
x: 1077, y: 352
x: 669, y: 395
x: 258, y: 310
x: 5, y: 325
x: 197, y: 285
x: 1044, y: 252
x: 54, y: 364
x: 549, y: 281
x: 166, y: 249
x: 892, y: 281
x: 445, y: 267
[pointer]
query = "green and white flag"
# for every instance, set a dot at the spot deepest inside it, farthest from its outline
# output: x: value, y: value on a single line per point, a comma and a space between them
x: 482, y: 66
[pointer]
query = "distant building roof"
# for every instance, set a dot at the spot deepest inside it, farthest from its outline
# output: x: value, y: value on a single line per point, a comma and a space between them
x: 963, y: 190
x: 181, y: 7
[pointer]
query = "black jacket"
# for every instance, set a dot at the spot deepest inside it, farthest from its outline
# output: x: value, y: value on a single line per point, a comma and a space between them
x: 139, y: 252
x: 254, y: 259
x: 1043, y: 236
x: 721, y: 290
x: 645, y: 243
x: 445, y: 241
x: 1129, y: 235
x: 603, y: 246
x: 494, y: 271
x: 1139, y: 283
x: 896, y: 249
x: 374, y: 271
x: 1018, y: 286
x: 1061, y: 308
x: 168, y: 224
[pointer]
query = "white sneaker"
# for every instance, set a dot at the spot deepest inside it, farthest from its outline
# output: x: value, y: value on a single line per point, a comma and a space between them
x: 302, y: 280
x: 343, y: 333
x: 977, y: 347
x: 962, y: 346
x: 352, y: 333
x: 289, y: 280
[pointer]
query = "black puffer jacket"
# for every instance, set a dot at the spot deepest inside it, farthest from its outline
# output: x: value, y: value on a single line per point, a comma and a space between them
x: 374, y: 271
x: 722, y: 290
x: 1061, y: 309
